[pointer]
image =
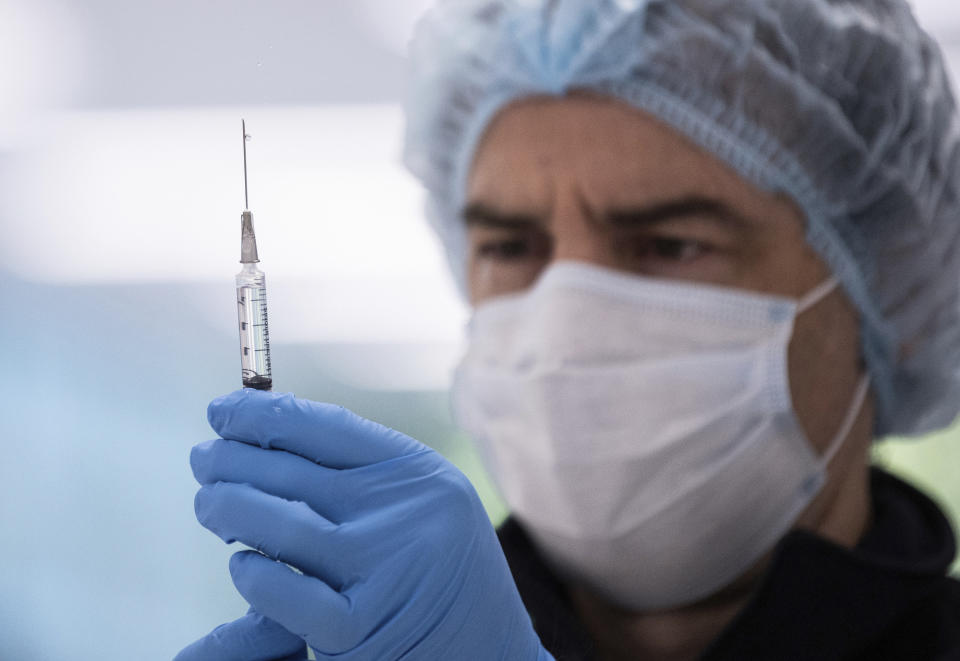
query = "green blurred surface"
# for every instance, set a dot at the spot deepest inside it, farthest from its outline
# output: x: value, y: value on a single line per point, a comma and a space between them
x: 931, y: 463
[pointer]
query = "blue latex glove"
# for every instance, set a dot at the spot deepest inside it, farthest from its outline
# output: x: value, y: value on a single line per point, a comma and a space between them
x: 399, y: 559
x: 251, y: 638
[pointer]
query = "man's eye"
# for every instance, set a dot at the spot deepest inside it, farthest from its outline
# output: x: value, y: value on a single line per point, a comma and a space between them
x: 673, y: 249
x: 504, y: 249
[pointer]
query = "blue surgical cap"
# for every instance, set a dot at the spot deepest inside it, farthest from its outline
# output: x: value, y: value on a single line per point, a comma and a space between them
x: 843, y: 105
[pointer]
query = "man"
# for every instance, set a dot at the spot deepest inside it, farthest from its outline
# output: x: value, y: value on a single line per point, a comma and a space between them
x: 713, y: 250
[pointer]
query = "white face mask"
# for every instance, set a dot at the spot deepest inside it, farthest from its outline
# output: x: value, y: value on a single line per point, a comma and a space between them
x: 642, y: 431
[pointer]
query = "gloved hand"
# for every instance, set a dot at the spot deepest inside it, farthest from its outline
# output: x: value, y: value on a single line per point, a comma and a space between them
x: 250, y: 638
x: 397, y: 555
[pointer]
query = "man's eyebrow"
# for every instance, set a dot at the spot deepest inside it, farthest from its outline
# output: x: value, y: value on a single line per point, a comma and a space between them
x: 478, y: 213
x: 672, y: 209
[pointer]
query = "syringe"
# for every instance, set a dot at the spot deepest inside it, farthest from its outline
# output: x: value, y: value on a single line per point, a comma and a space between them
x: 252, y: 299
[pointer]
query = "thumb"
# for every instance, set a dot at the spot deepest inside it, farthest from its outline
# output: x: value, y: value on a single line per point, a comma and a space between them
x: 250, y: 638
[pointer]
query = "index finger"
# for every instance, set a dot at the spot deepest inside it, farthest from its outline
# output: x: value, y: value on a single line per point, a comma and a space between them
x: 327, y: 434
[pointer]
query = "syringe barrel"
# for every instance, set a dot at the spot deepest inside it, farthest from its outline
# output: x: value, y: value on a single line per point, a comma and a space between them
x: 254, y: 329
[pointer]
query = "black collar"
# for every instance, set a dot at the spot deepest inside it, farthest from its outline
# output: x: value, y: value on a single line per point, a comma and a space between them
x: 823, y: 601
x: 817, y: 601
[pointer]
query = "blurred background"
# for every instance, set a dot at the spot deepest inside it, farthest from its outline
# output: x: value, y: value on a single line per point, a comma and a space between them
x: 121, y: 185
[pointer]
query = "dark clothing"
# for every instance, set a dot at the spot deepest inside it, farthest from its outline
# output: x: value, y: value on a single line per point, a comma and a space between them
x: 888, y: 598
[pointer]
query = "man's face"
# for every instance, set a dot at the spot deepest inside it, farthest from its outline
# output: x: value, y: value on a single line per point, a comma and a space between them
x: 592, y: 179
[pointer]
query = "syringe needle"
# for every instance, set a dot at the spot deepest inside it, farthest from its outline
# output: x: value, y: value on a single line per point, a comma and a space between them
x: 248, y: 246
x: 246, y: 199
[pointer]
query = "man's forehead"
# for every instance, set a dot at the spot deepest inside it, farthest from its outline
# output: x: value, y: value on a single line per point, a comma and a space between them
x: 608, y: 154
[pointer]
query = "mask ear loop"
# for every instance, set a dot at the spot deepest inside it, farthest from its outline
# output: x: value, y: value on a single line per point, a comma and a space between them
x: 856, y: 404
x: 817, y: 294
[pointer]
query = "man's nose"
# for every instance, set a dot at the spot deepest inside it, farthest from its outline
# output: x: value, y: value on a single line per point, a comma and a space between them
x: 578, y: 237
